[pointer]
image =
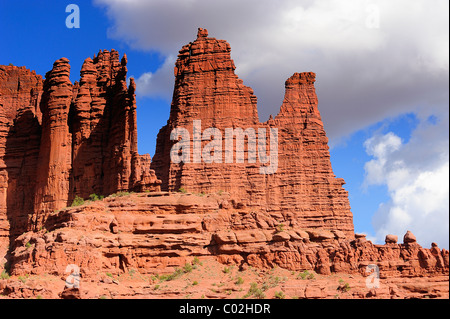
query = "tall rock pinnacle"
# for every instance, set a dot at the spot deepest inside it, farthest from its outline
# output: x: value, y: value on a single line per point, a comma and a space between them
x: 208, y: 92
x: 60, y: 140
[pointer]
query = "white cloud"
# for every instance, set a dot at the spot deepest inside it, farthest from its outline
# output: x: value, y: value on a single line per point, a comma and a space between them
x: 373, y: 58
x: 157, y: 84
x: 416, y: 174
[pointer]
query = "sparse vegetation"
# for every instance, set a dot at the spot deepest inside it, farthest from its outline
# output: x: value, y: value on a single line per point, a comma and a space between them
x: 131, y: 272
x: 197, y: 261
x: 343, y: 286
x: 279, y: 295
x: 4, y: 275
x: 187, y: 268
x: 226, y: 270
x: 195, y: 283
x: 94, y: 197
x: 23, y: 278
x: 77, y: 201
x: 120, y: 194
x: 239, y: 281
x: 182, y: 190
x: 255, y: 291
x: 177, y: 273
x: 280, y: 228
x: 305, y: 275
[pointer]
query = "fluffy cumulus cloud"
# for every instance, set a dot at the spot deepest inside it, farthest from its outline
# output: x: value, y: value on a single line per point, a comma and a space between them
x: 157, y: 84
x: 373, y: 58
x: 416, y: 174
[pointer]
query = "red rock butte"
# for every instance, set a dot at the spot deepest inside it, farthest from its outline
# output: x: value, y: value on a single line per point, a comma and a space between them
x: 303, y: 188
x: 61, y: 143
x: 60, y: 140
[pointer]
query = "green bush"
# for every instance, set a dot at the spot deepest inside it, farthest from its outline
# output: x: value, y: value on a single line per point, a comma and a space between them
x: 94, y: 197
x: 279, y: 295
x: 4, y: 275
x: 255, y: 291
x: 187, y: 268
x: 182, y: 190
x: 306, y: 275
x: 77, y: 201
x: 197, y: 261
x: 120, y: 194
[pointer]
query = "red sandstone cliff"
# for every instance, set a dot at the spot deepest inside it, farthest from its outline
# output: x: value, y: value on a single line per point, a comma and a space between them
x: 303, y: 185
x: 60, y: 140
x: 20, y: 133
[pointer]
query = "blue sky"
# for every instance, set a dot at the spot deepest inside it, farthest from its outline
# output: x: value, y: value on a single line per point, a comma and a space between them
x: 382, y: 81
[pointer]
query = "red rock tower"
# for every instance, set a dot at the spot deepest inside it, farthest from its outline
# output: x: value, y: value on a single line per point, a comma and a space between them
x: 55, y: 154
x: 59, y: 140
x: 20, y: 135
x: 303, y: 188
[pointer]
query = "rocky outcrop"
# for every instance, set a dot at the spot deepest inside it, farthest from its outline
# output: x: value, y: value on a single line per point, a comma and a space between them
x: 55, y: 153
x: 20, y: 134
x: 61, y: 140
x: 208, y: 94
x: 105, y: 157
x: 157, y: 232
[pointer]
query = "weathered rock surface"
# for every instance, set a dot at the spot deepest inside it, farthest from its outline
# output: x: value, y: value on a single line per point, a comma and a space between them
x: 149, y: 231
x: 20, y: 134
x: 155, y: 233
x: 207, y: 90
x: 60, y: 140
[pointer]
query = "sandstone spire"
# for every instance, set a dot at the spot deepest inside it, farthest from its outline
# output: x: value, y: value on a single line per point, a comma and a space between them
x: 208, y: 90
x: 59, y: 140
x: 52, y: 182
x: 20, y: 134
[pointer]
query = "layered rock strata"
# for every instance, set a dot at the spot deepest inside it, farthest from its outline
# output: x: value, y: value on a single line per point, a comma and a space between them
x: 209, y: 95
x: 61, y: 140
x: 20, y: 134
x: 158, y: 232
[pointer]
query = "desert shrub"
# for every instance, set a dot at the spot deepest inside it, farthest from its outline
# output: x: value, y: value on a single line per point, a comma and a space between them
x: 239, y: 281
x: 255, y: 291
x: 187, y: 268
x: 94, y: 197
x: 279, y: 295
x: 120, y: 194
x: 77, y: 201
x: 4, y: 275
x: 306, y: 275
